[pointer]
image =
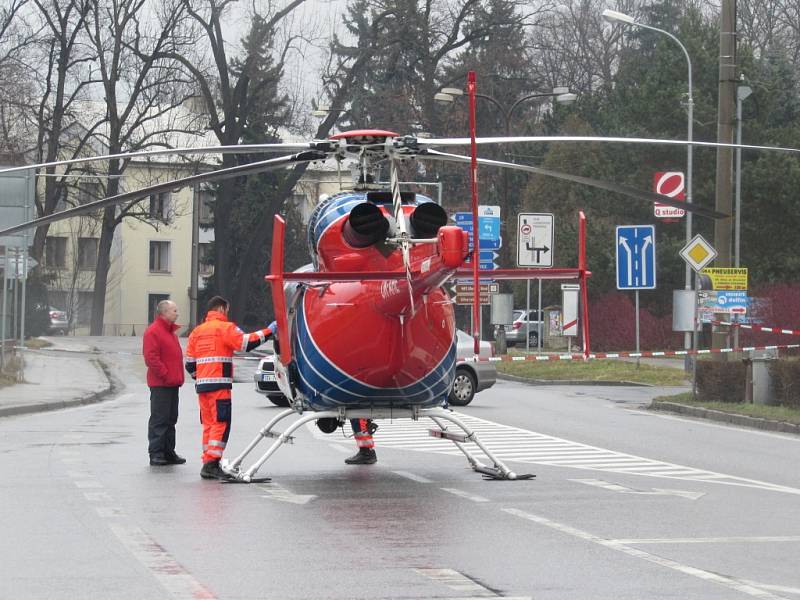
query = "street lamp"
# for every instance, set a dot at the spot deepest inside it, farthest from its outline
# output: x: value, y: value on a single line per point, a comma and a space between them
x: 742, y: 93
x: 613, y: 16
x: 562, y: 95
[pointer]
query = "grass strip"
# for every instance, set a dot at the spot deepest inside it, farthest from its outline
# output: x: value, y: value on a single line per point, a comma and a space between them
x: 763, y: 411
x: 595, y: 370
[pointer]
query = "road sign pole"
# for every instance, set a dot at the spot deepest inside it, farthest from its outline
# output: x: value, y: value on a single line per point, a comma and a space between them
x: 637, y: 328
x: 528, y: 317
x: 5, y: 304
x: 539, y: 326
x: 694, y: 343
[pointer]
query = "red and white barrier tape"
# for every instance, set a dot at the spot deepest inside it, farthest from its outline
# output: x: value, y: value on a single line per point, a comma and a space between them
x: 646, y: 354
x: 759, y: 328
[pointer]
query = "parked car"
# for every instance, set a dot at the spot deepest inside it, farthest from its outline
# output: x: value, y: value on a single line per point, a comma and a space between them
x: 525, y: 325
x: 266, y: 383
x: 59, y: 323
x: 471, y: 376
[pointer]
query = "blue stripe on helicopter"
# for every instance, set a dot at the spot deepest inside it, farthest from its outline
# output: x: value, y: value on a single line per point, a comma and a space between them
x: 327, y: 386
x: 341, y: 205
x: 338, y: 206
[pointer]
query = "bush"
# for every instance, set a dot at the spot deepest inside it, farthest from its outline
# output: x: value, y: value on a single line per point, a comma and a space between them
x: 786, y: 378
x: 721, y: 381
x: 612, y: 325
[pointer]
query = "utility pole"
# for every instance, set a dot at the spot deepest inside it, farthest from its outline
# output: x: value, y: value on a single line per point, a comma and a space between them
x: 725, y: 130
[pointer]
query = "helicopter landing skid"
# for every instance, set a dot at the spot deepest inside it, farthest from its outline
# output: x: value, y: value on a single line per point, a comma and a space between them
x: 499, y: 471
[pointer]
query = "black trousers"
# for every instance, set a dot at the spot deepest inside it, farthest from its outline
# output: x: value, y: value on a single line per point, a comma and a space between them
x: 163, y: 416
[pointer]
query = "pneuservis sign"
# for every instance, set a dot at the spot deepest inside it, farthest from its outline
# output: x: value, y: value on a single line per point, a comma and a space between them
x: 671, y: 184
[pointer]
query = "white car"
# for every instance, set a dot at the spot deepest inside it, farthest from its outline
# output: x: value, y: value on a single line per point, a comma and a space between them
x: 471, y: 376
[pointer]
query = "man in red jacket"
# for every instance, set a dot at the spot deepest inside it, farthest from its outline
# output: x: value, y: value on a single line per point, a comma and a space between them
x: 164, y: 360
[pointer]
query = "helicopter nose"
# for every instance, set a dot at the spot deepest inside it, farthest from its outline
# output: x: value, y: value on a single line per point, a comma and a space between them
x: 365, y: 225
x: 426, y: 220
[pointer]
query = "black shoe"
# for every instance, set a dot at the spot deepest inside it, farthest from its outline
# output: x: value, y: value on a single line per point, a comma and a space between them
x: 175, y: 459
x: 159, y: 460
x: 364, y: 456
x: 212, y: 470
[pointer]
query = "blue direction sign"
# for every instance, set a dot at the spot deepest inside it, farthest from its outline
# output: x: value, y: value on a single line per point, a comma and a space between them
x: 489, y: 236
x: 636, y: 257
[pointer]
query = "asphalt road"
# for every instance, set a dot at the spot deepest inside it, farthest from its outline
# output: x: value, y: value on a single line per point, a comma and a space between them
x: 626, y: 504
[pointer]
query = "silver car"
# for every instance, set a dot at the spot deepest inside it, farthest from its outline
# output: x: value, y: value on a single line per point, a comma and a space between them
x: 471, y: 377
x: 525, y: 324
x: 266, y: 383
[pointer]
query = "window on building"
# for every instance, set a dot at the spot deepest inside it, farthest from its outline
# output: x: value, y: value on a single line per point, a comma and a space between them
x: 83, y: 310
x: 89, y: 191
x: 152, y: 304
x: 55, y: 251
x: 160, y: 206
x: 206, y: 259
x: 159, y: 257
x: 87, y: 253
x: 206, y: 218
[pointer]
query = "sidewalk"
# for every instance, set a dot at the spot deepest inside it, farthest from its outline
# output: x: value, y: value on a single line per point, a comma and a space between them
x: 68, y: 373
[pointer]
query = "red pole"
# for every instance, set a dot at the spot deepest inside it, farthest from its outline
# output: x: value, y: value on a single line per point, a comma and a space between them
x: 476, y: 291
x: 583, y: 279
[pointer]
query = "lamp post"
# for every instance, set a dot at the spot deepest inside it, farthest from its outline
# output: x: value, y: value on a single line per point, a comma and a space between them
x: 613, y: 16
x: 742, y: 93
x: 562, y: 95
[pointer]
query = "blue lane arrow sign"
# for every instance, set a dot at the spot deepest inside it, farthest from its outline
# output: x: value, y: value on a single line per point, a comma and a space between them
x: 636, y: 257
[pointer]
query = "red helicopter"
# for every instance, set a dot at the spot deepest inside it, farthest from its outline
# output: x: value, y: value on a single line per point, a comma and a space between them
x: 379, y: 260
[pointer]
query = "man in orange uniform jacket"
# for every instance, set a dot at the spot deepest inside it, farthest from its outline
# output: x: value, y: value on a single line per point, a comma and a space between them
x: 209, y: 360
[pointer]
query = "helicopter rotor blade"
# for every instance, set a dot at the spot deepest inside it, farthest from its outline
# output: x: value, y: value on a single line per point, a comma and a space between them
x: 625, y: 190
x: 218, y: 175
x: 451, y: 142
x: 241, y: 149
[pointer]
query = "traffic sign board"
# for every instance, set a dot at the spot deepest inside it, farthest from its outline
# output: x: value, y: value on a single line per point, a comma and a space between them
x: 671, y: 184
x: 727, y: 279
x: 636, y: 257
x: 485, y: 288
x: 698, y: 252
x: 468, y: 298
x: 535, y: 240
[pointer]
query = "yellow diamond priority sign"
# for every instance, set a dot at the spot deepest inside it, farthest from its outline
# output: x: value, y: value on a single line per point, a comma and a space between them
x: 698, y: 253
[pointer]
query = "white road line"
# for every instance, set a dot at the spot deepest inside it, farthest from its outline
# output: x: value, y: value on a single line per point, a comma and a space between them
x: 458, y: 582
x: 523, y: 446
x: 412, y: 476
x: 775, y: 434
x: 727, y: 582
x: 712, y: 540
x: 463, y: 494
x: 110, y: 511
x: 87, y: 483
x: 275, y: 491
x: 773, y: 588
x: 340, y: 448
x: 173, y: 577
x: 98, y: 496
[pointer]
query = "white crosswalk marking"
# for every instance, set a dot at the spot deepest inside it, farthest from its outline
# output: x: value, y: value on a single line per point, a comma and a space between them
x: 521, y: 445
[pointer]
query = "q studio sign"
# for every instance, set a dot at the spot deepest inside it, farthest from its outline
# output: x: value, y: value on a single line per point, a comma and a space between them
x: 671, y: 184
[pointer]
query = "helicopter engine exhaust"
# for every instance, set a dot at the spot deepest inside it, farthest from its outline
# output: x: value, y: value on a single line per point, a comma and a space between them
x: 427, y: 219
x: 365, y: 226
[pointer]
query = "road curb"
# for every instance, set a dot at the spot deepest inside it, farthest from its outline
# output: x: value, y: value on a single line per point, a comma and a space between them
x: 528, y: 381
x: 725, y: 417
x: 93, y: 398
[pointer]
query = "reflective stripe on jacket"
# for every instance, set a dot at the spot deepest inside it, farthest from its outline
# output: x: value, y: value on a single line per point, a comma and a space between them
x: 209, y: 353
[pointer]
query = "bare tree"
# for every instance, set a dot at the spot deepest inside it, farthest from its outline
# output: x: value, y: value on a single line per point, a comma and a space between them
x: 65, y: 76
x: 142, y: 91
